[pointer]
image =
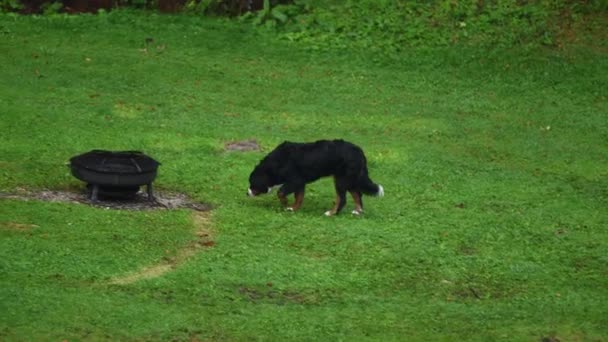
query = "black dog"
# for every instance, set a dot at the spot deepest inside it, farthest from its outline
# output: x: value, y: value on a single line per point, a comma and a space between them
x: 293, y: 165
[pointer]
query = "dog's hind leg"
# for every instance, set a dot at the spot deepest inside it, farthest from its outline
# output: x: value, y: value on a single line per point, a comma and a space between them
x: 358, y: 198
x: 341, y: 187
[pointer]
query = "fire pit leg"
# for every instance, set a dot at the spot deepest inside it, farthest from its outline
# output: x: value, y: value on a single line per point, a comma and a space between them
x: 94, y: 192
x: 150, y: 193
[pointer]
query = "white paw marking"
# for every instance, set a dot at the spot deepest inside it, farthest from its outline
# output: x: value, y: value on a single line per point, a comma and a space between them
x: 289, y: 209
x: 250, y: 193
x: 328, y: 213
x: 380, y: 191
x: 356, y: 212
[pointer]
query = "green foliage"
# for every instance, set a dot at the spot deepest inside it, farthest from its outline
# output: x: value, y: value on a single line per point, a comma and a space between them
x: 214, y: 7
x: 51, y: 7
x: 10, y: 5
x: 271, y: 16
x: 390, y: 26
x: 200, y: 7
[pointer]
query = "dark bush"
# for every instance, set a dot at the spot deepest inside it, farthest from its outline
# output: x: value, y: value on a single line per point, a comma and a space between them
x: 215, y: 7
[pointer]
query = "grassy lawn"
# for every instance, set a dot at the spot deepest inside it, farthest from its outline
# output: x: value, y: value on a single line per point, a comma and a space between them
x: 495, y: 165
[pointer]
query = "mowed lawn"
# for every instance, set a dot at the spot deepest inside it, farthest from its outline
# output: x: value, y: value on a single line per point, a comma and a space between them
x: 495, y: 166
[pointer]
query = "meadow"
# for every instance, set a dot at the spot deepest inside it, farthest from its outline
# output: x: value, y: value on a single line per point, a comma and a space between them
x: 494, y: 163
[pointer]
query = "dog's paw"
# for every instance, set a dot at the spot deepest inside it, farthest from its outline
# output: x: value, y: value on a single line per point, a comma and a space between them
x: 289, y: 209
x: 329, y: 213
x: 357, y: 212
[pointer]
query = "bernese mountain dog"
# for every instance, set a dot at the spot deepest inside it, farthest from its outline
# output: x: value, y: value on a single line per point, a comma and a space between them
x: 293, y: 165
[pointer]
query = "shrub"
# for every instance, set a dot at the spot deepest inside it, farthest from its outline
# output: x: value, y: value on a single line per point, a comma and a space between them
x: 382, y: 26
x: 392, y: 25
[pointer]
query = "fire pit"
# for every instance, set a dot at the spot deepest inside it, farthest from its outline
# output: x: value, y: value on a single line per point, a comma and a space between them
x: 115, y: 174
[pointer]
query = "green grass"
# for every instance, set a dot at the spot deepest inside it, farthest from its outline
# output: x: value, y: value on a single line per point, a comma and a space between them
x: 494, y: 226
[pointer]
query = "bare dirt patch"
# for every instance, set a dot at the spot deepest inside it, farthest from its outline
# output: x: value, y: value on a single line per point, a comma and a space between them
x: 242, y: 146
x: 163, y: 200
x: 201, y: 220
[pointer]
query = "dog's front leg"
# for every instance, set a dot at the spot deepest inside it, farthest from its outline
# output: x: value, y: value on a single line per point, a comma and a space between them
x: 282, y: 198
x: 289, y: 188
x: 298, y: 202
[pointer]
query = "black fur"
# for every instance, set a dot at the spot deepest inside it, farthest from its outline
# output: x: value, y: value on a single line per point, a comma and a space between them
x: 296, y: 164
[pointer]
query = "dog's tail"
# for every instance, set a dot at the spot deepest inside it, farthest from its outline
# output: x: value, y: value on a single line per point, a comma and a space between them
x: 367, y: 186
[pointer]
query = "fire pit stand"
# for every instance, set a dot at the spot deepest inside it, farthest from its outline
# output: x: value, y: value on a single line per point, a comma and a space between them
x: 95, y: 191
x: 116, y: 175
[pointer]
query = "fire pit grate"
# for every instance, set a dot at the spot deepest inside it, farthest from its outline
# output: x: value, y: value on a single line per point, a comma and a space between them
x: 115, y: 174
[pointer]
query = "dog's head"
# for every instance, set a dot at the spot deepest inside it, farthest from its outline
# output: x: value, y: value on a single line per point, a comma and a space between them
x: 260, y: 181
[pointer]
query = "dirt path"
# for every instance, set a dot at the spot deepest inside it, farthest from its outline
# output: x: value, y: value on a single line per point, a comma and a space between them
x: 201, y: 217
x: 204, y: 234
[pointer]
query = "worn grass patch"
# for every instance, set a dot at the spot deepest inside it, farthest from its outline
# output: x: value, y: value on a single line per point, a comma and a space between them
x: 494, y: 164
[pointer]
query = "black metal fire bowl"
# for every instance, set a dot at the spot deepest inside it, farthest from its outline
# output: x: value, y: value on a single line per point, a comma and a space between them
x: 115, y: 174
